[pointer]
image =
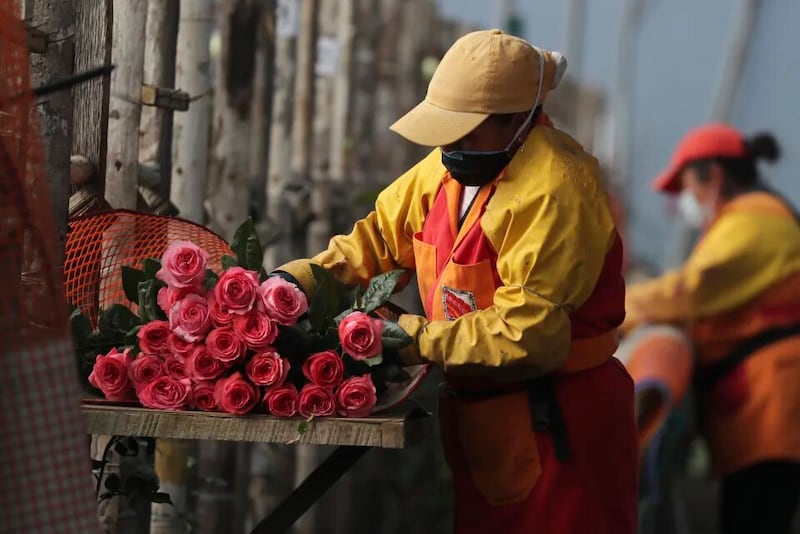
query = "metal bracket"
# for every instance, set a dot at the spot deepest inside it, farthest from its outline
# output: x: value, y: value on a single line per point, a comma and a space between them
x: 164, y: 98
x: 36, y: 39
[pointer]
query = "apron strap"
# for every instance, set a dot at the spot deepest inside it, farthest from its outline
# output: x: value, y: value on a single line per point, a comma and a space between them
x: 546, y: 415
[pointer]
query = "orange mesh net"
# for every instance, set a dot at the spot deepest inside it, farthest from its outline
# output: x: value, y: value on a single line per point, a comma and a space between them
x: 31, y: 297
x: 99, y: 245
x: 43, y: 440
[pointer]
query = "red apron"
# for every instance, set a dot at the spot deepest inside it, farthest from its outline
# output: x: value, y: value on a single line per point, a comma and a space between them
x: 506, y: 476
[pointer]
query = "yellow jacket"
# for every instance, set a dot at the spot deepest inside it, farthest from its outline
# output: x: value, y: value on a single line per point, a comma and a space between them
x: 750, y: 246
x: 550, y: 224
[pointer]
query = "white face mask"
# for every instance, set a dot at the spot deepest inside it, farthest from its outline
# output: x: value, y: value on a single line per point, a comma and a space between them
x: 692, y: 211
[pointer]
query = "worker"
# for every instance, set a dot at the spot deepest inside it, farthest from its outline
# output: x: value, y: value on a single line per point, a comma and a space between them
x: 738, y: 297
x: 518, y: 263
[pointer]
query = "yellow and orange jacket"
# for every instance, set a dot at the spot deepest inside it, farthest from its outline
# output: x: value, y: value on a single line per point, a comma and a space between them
x: 539, y: 252
x: 529, y: 284
x: 742, y: 278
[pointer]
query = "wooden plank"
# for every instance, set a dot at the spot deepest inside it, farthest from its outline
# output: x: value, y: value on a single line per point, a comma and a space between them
x: 395, y: 429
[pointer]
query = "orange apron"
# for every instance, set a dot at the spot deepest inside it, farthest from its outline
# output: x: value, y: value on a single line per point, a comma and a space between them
x: 753, y: 413
x: 507, y: 477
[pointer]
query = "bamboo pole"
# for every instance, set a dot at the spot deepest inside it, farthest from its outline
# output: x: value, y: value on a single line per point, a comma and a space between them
x: 190, y: 128
x: 122, y: 159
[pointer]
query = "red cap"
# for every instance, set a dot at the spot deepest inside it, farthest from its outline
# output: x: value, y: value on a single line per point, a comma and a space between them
x: 705, y: 142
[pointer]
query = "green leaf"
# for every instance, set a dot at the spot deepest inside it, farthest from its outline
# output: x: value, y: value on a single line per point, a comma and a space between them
x: 302, y: 427
x: 372, y: 362
x: 324, y: 305
x: 130, y: 282
x: 339, y: 318
x: 148, y: 301
x: 132, y: 338
x: 117, y: 319
x: 151, y: 267
x: 353, y: 295
x: 380, y: 289
x: 394, y: 337
x: 247, y: 246
x: 211, y: 279
x: 228, y: 262
x: 80, y: 326
x: 161, y: 498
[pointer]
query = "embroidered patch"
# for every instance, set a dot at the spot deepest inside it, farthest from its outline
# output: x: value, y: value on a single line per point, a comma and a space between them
x: 457, y: 302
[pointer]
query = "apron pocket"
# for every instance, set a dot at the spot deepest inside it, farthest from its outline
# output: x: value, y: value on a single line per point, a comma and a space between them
x: 499, y: 446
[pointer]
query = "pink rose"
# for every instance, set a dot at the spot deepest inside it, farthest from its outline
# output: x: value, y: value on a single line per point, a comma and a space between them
x: 175, y: 366
x: 189, y: 318
x: 236, y: 290
x: 235, y: 395
x: 268, y: 369
x: 282, y: 401
x: 200, y: 365
x: 183, y: 265
x: 360, y: 335
x: 283, y: 301
x: 202, y: 396
x: 166, y: 393
x: 324, y: 369
x: 356, y: 397
x: 256, y: 330
x: 144, y: 369
x: 110, y: 375
x: 153, y: 337
x: 316, y: 401
x: 218, y: 316
x: 168, y: 296
x: 179, y: 346
x: 224, y: 345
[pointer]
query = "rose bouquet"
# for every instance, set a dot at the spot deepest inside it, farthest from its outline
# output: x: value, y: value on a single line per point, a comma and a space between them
x: 241, y: 341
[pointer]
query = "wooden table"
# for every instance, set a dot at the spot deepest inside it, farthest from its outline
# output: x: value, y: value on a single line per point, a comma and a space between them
x: 395, y: 429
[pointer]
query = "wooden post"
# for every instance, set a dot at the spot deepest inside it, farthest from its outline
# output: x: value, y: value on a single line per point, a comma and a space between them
x: 327, y: 65
x: 155, y: 127
x: 93, y: 22
x: 261, y: 110
x: 302, y: 128
x: 56, y: 18
x: 155, y: 140
x: 365, y: 83
x: 280, y: 139
x: 190, y: 128
x: 122, y: 160
x: 302, y: 142
x: 228, y: 178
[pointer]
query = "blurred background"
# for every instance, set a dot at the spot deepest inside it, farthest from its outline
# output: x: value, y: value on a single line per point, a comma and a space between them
x: 279, y: 109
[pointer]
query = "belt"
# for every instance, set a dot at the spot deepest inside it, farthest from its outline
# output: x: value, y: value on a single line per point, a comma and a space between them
x: 710, y: 377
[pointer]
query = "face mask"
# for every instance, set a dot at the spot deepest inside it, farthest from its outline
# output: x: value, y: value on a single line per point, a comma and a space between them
x: 478, y: 168
x: 694, y: 213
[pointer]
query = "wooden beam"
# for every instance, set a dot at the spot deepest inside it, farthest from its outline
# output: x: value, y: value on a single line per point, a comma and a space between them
x: 395, y: 429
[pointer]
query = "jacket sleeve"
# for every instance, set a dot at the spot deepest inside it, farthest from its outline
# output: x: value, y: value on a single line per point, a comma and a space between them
x: 741, y: 256
x: 383, y: 240
x: 551, y: 249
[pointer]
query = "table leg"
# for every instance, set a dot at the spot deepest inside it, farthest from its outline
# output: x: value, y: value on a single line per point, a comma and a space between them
x: 309, y: 492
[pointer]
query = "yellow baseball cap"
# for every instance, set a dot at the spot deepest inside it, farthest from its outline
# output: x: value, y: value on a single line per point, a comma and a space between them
x: 483, y: 73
